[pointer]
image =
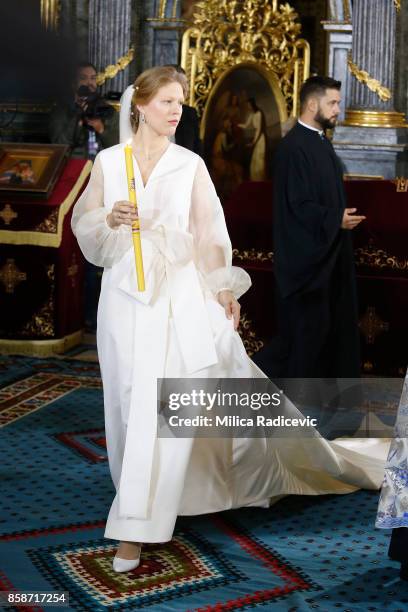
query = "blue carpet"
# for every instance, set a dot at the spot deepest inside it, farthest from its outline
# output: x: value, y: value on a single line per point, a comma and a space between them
x: 304, y: 553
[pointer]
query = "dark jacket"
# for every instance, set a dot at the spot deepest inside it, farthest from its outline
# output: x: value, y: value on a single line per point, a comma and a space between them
x: 65, y: 127
x: 188, y: 130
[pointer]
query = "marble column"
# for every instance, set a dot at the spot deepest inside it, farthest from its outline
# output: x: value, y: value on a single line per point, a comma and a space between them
x: 338, y: 30
x: 373, y: 135
x: 374, y: 24
x: 110, y: 37
x: 401, y: 59
x: 164, y: 29
x: 339, y: 44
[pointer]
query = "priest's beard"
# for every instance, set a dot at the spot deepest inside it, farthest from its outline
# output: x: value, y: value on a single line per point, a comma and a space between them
x: 326, y: 124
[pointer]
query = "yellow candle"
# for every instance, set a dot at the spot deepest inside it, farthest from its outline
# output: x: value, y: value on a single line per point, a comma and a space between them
x: 137, y: 245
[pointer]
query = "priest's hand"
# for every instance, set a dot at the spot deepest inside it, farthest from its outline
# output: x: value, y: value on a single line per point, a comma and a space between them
x: 123, y: 212
x: 350, y: 220
x: 231, y: 306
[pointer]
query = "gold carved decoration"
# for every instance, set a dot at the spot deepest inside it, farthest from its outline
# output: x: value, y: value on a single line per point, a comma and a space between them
x: 252, y: 255
x: 248, y: 336
x: 227, y: 33
x: 73, y: 270
x: 8, y: 214
x: 402, y: 184
x: 50, y: 223
x: 397, y: 4
x: 113, y: 69
x: 42, y: 322
x: 367, y: 256
x: 379, y: 258
x: 50, y: 12
x: 363, y: 77
x: 371, y: 325
x: 11, y: 276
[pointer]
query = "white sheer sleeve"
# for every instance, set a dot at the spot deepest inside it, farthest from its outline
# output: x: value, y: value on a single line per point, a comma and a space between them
x: 212, y: 245
x: 100, y: 244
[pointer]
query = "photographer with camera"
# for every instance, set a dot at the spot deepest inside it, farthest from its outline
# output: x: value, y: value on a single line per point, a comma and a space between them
x: 86, y: 122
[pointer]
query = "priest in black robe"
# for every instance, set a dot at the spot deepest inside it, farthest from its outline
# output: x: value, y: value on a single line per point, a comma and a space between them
x: 313, y: 254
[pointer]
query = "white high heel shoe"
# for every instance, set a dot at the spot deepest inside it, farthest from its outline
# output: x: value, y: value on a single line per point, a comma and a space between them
x: 125, y: 565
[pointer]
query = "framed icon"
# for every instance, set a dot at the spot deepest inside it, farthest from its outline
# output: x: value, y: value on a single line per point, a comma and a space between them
x: 30, y: 169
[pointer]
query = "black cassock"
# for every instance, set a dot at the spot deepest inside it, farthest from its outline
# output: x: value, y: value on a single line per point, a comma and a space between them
x: 188, y: 130
x: 313, y: 264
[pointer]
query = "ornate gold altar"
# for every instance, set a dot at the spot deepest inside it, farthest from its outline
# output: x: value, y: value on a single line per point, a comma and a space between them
x: 225, y: 34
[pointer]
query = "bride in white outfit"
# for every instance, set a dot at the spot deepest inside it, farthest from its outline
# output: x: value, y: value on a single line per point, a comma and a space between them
x: 183, y: 325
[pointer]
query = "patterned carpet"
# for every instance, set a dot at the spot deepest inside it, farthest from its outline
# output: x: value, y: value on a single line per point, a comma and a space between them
x: 304, y: 553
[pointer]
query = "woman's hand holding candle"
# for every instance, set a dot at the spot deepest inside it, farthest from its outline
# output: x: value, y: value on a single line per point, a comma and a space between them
x: 137, y: 244
x: 123, y: 212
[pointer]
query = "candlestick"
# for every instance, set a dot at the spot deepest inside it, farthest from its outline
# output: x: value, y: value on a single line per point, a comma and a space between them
x: 137, y: 245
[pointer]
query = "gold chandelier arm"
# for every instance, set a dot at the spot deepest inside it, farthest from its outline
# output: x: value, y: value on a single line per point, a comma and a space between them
x: 363, y: 77
x: 112, y: 70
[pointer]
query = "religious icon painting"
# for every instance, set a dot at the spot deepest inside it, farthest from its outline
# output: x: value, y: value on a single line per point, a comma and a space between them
x: 241, y: 126
x: 30, y: 169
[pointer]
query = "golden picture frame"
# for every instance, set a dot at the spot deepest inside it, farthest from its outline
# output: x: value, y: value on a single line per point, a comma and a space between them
x: 30, y: 170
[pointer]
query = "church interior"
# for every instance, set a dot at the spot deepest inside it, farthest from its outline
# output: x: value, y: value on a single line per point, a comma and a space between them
x: 243, y: 59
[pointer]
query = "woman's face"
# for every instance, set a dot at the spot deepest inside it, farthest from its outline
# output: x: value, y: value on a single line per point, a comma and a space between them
x: 163, y: 112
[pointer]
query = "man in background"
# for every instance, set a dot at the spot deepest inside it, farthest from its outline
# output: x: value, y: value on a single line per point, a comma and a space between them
x: 86, y: 122
x: 318, y: 332
x: 188, y: 130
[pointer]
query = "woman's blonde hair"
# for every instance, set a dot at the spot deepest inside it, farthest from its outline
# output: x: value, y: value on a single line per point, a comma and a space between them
x: 148, y: 84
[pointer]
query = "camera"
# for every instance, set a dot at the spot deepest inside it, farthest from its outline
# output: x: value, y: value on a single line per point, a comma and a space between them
x: 97, y: 107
